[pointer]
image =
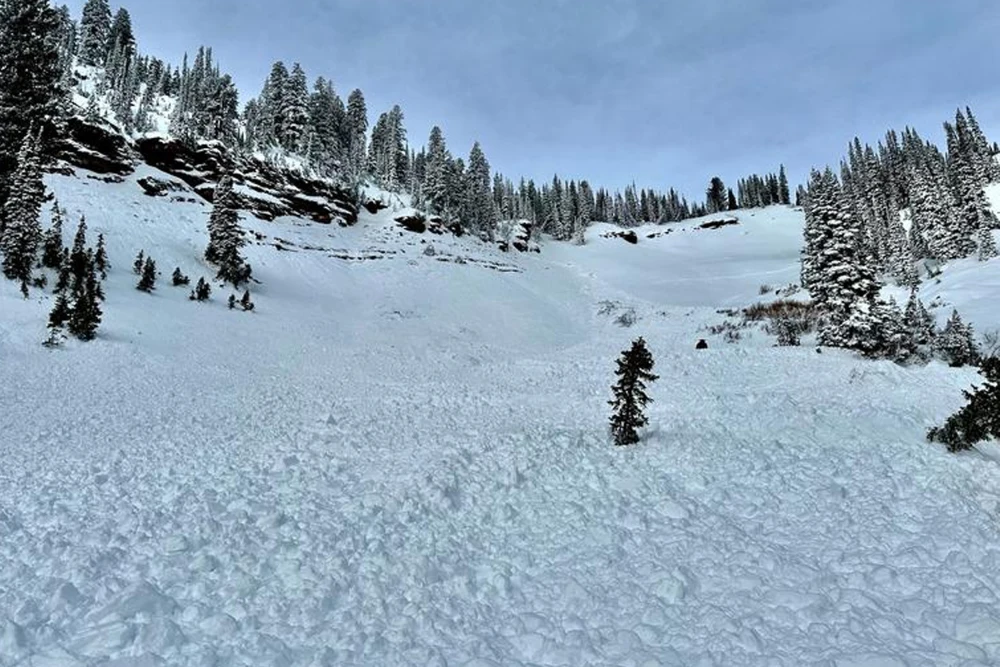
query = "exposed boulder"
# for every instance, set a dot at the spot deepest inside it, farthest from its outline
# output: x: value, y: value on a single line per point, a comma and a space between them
x: 626, y: 235
x: 412, y: 222
x: 159, y: 187
x: 722, y: 222
x: 375, y: 204
x: 96, y: 146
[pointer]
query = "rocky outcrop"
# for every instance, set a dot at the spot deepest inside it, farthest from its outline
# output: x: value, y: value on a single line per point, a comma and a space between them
x: 412, y: 222
x: 717, y: 224
x: 93, y: 145
x: 261, y: 188
x: 627, y: 235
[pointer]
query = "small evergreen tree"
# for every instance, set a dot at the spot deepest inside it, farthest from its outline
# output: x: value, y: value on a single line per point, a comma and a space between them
x: 232, y: 302
x: 634, y: 371
x: 179, y: 279
x: 85, y: 316
x: 956, y: 344
x: 101, y: 262
x: 52, y: 244
x: 225, y: 237
x: 140, y: 261
x: 980, y: 419
x: 147, y: 282
x: 58, y: 318
x: 202, y: 291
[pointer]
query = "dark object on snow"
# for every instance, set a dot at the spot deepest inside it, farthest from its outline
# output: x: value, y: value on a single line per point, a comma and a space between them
x: 702, y: 345
x: 247, y: 304
x: 179, y: 279
x: 717, y: 224
x: 628, y: 236
x: 413, y: 223
x: 232, y: 302
x: 980, y: 419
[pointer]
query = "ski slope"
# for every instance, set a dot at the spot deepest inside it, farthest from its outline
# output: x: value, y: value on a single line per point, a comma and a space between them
x: 402, y: 459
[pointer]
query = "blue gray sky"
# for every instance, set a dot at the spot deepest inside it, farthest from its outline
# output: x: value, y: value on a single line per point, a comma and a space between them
x: 656, y: 92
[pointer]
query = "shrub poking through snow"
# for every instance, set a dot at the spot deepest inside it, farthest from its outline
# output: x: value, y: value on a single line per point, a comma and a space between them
x: 634, y: 372
x: 232, y: 302
x: 979, y: 420
x: 179, y: 279
x: 787, y: 332
x: 246, y: 303
x: 202, y: 291
x: 140, y: 261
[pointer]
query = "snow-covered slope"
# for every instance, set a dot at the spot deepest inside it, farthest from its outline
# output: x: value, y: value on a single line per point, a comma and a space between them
x: 401, y: 458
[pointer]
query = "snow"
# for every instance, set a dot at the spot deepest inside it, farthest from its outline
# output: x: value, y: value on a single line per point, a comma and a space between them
x: 399, y: 459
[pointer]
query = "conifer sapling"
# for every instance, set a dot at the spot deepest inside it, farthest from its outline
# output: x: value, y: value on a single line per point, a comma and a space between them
x: 634, y: 372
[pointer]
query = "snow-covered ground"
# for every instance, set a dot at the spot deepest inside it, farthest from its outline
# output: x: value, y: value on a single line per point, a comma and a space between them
x: 402, y: 459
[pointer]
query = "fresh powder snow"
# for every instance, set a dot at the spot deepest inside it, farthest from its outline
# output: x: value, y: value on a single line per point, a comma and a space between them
x: 402, y: 458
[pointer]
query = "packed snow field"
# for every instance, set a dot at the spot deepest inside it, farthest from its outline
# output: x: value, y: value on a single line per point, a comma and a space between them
x: 403, y: 459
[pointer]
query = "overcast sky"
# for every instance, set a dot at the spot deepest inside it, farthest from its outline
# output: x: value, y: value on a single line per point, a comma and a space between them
x: 659, y: 92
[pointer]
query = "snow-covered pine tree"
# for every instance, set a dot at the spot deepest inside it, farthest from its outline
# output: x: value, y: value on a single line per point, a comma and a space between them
x: 20, y: 232
x: 837, y: 271
x: 95, y: 31
x: 30, y: 75
x: 979, y: 420
x: 479, y: 201
x: 634, y: 371
x: 956, y: 344
x: 294, y: 112
x: 226, y: 238
x: 435, y: 185
x: 327, y: 118
x: 918, y: 320
x: 357, y: 132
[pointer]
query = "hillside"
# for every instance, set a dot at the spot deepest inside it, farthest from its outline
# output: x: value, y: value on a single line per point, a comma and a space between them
x: 400, y: 458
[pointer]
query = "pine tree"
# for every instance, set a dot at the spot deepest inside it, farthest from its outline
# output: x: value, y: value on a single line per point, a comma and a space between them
x: 85, y: 316
x: 634, y: 371
x: 147, y: 282
x: 232, y: 302
x: 979, y: 419
x: 784, y: 196
x: 179, y: 279
x: 357, y: 130
x: 21, y: 233
x: 226, y: 238
x: 918, y: 321
x: 716, y: 198
x: 479, y: 201
x: 956, y: 344
x: 101, y: 262
x: 95, y: 32
x: 52, y: 244
x: 435, y: 187
x: 295, y: 111
x: 30, y: 75
x: 202, y: 291
x: 59, y: 316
